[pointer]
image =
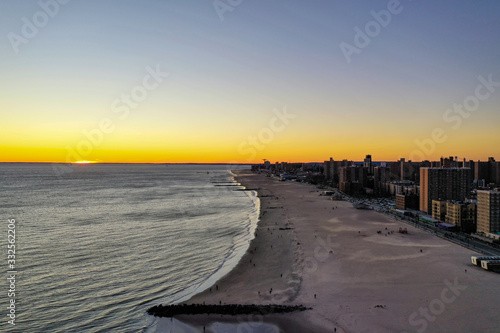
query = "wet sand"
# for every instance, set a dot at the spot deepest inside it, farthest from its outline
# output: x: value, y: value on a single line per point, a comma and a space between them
x: 328, y: 256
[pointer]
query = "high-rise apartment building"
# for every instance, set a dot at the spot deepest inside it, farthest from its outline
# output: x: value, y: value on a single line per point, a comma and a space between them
x: 410, y: 170
x: 381, y: 178
x: 353, y: 179
x: 367, y: 163
x: 487, y: 171
x: 443, y: 184
x: 488, y: 211
x: 328, y: 169
x: 331, y: 169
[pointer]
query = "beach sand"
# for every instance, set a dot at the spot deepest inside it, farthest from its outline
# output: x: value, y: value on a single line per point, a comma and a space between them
x: 329, y: 256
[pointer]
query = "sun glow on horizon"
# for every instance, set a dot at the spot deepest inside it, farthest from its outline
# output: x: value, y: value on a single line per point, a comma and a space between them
x: 85, y: 162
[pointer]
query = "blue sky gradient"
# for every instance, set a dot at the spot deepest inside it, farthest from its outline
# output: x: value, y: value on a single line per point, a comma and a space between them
x: 263, y: 55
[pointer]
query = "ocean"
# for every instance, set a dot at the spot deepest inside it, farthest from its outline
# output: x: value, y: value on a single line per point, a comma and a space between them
x: 98, y: 244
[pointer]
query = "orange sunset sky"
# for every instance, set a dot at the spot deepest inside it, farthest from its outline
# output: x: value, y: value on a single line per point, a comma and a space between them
x: 181, y: 82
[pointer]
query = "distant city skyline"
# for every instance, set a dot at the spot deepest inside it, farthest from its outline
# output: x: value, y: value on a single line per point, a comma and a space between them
x: 189, y: 81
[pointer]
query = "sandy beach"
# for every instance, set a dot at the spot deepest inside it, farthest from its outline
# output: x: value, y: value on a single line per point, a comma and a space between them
x: 329, y: 256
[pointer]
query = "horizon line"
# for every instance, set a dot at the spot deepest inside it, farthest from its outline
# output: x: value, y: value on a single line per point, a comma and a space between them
x: 226, y: 163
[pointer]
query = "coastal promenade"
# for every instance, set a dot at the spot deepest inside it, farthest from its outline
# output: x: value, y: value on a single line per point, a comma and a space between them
x: 352, y: 267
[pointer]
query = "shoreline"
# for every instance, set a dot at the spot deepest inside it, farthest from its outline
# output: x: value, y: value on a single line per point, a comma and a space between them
x: 250, y: 281
x: 328, y: 256
x: 271, y: 262
x: 233, y: 257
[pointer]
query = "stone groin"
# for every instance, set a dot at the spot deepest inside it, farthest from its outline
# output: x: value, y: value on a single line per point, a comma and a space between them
x: 224, y: 309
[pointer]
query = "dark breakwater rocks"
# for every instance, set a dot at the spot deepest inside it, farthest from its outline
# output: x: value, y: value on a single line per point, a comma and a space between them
x: 225, y: 309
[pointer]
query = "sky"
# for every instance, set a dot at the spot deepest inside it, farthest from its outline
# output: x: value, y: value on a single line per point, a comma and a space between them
x: 241, y: 81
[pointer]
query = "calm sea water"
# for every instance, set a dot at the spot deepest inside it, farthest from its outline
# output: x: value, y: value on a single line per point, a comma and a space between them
x: 97, y: 245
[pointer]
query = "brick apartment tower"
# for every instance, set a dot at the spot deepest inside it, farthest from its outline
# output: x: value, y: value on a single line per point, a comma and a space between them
x: 488, y: 211
x: 443, y: 184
